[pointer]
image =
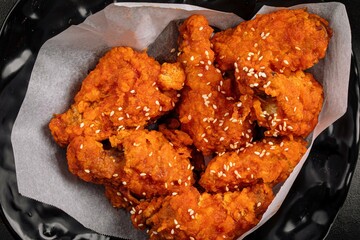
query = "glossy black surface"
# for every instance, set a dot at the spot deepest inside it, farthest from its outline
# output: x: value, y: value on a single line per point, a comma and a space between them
x: 310, y: 207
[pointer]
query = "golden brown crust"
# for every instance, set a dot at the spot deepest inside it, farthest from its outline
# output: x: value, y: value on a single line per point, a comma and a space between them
x: 208, y: 111
x: 191, y: 215
x: 286, y: 40
x: 270, y: 161
x: 112, y: 96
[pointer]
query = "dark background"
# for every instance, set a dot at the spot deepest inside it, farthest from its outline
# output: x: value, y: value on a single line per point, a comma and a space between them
x: 347, y: 223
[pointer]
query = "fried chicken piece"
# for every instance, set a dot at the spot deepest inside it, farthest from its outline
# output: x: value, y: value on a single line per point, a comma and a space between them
x: 191, y: 215
x: 288, y: 105
x: 139, y: 163
x: 270, y: 161
x: 285, y: 40
x: 125, y: 90
x: 208, y: 111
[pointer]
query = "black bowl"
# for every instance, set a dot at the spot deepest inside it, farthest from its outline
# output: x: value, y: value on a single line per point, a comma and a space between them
x: 310, y: 207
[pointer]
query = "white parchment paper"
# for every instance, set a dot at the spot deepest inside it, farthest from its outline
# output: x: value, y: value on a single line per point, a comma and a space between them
x: 65, y: 60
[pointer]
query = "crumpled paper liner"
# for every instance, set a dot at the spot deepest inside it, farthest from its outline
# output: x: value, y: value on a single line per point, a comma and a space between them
x: 65, y: 60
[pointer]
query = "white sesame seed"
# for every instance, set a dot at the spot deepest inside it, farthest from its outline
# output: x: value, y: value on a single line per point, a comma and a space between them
x: 205, y: 140
x: 286, y: 62
x: 124, y: 183
x: 81, y: 146
x: 132, y: 91
x: 142, y: 174
x: 297, y: 48
x: 87, y: 170
x: 189, y: 117
x: 200, y: 74
x: 97, y: 131
x: 192, y: 58
x: 115, y: 175
x: 82, y: 125
x: 174, y: 193
x: 172, y: 231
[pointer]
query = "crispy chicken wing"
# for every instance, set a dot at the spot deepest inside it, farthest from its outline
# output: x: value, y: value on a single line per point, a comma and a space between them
x: 208, y: 111
x: 125, y: 90
x: 285, y: 40
x: 139, y: 163
x: 270, y: 161
x: 191, y: 215
x: 288, y: 105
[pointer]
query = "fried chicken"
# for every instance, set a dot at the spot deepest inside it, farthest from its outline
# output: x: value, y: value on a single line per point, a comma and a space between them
x: 139, y: 164
x: 112, y: 96
x: 285, y: 40
x: 208, y: 111
x: 268, y: 55
x: 191, y: 215
x: 270, y: 161
x: 288, y: 105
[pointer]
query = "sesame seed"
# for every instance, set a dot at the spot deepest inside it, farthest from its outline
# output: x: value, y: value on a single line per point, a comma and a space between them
x: 192, y: 58
x: 226, y: 128
x: 172, y: 231
x: 258, y: 204
x: 174, y: 193
x: 82, y: 125
x: 286, y: 62
x: 124, y: 183
x: 81, y: 146
x: 200, y: 74
x: 132, y: 91
x: 115, y: 175
x: 205, y: 140
x: 87, y: 170
x: 189, y: 117
x: 142, y: 174
x: 97, y: 131
x: 297, y: 48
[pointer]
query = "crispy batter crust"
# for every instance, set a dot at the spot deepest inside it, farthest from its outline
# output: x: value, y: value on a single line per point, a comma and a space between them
x: 286, y: 40
x: 112, y: 96
x: 191, y: 215
x: 270, y: 161
x: 208, y: 111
